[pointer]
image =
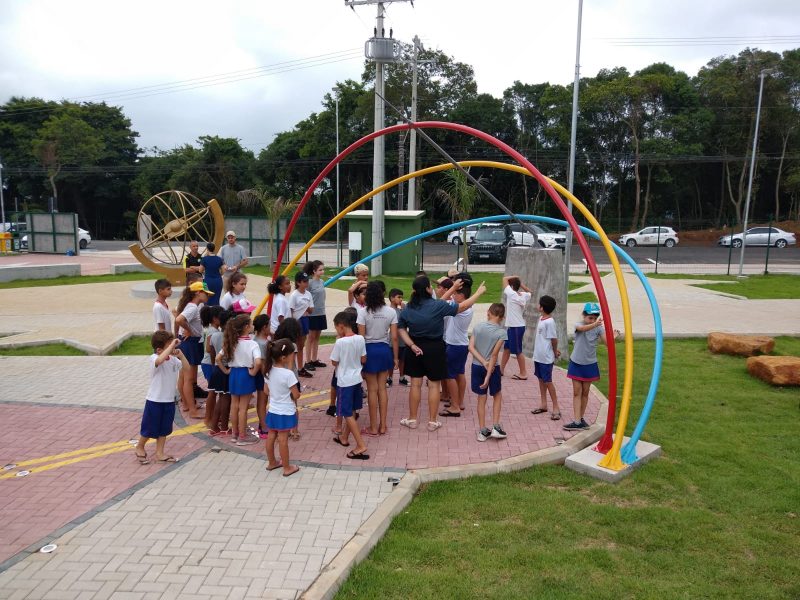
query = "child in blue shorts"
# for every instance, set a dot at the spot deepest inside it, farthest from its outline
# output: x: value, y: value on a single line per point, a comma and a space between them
x: 159, y: 409
x: 349, y: 354
x: 583, y: 368
x: 485, y: 344
x: 283, y: 393
x: 545, y: 353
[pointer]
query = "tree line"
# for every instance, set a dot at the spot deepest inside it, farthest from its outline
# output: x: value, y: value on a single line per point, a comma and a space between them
x: 654, y: 146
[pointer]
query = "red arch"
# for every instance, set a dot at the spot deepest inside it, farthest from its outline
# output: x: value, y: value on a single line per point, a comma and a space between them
x: 605, y: 443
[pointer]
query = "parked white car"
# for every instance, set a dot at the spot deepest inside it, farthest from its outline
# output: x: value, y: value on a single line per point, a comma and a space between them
x: 547, y: 238
x: 760, y: 236
x: 455, y: 236
x: 650, y: 236
x: 84, y: 239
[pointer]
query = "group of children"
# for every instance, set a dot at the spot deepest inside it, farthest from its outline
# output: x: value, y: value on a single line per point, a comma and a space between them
x: 240, y: 358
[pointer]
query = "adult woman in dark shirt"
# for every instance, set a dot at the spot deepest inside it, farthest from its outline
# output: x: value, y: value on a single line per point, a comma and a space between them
x: 210, y: 266
x: 421, y: 326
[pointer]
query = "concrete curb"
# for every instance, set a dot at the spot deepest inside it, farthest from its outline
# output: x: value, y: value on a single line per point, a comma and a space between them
x: 372, y: 530
x: 87, y: 348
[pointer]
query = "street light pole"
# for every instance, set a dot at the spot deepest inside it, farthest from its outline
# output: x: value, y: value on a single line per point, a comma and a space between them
x: 761, y: 76
x: 338, y: 234
x: 573, y: 138
x: 2, y: 201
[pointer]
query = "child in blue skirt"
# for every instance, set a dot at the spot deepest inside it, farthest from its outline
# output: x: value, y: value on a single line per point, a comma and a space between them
x: 244, y: 358
x: 283, y: 394
x: 583, y: 368
x: 159, y: 409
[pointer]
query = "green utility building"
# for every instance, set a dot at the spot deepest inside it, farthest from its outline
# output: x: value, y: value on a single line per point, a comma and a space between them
x: 398, y: 226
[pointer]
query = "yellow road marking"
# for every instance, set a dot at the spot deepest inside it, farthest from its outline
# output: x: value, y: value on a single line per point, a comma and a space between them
x: 76, y: 456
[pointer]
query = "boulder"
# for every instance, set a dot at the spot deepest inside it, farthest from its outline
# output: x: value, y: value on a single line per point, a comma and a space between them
x: 777, y: 370
x: 739, y: 345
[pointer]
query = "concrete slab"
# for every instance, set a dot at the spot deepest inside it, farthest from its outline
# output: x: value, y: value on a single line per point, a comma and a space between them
x: 586, y: 461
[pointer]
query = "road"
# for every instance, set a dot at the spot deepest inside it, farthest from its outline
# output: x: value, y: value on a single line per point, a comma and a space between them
x: 441, y: 253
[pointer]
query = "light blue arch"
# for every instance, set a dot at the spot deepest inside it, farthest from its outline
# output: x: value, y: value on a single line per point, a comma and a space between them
x: 628, y: 452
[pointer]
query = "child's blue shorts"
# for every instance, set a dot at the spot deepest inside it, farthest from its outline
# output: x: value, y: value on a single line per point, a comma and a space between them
x: 543, y: 371
x: 379, y: 358
x: 456, y: 360
x: 157, y: 419
x: 304, y: 325
x: 346, y: 400
x: 207, y: 370
x: 514, y: 342
x: 240, y: 382
x: 281, y: 422
x: 479, y: 374
x: 583, y: 372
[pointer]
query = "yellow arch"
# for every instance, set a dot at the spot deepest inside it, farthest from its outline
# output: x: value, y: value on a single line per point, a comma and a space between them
x: 612, y: 459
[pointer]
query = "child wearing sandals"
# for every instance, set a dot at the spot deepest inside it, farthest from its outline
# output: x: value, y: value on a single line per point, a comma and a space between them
x: 290, y: 329
x: 218, y: 384
x: 283, y: 393
x: 244, y: 358
x: 583, y: 368
x: 261, y: 337
x: 485, y: 344
x: 159, y: 409
x: 515, y: 301
x: 545, y: 353
x: 348, y: 356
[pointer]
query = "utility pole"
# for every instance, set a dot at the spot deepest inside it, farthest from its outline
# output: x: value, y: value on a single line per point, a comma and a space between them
x: 338, y: 230
x: 381, y: 50
x: 572, y: 141
x: 401, y: 166
x: 412, y: 153
x: 2, y: 200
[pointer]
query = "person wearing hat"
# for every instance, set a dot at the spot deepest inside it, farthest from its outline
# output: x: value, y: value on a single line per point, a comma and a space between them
x: 191, y: 326
x: 232, y: 254
x: 583, y: 368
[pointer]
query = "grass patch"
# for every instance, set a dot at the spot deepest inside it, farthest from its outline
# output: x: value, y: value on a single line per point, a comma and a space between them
x: 582, y: 297
x: 78, y: 279
x: 715, y: 516
x: 134, y: 346
x: 681, y: 276
x: 760, y: 287
x: 42, y: 350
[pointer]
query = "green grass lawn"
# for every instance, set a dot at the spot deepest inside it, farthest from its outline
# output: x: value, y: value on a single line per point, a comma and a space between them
x: 717, y: 516
x: 70, y: 280
x: 42, y: 350
x: 582, y: 297
x: 761, y: 287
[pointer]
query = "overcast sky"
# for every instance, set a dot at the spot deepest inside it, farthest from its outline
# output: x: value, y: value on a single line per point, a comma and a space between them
x: 114, y: 51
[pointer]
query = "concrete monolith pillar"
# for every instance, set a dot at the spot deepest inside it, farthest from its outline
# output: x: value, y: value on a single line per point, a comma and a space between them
x: 543, y: 272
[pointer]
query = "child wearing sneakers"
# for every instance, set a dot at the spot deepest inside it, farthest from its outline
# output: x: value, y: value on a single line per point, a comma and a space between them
x: 583, y: 369
x: 302, y: 304
x: 348, y: 356
x: 396, y: 302
x: 485, y: 344
x: 545, y: 353
x: 456, y: 339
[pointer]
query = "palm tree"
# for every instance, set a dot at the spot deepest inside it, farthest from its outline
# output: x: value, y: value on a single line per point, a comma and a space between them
x: 275, y: 208
x: 461, y: 196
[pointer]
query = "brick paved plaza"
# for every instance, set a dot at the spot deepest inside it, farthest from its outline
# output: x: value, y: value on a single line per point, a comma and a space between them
x: 216, y: 524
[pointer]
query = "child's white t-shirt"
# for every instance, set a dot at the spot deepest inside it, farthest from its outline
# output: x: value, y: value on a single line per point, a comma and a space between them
x: 456, y: 332
x: 300, y: 302
x: 161, y: 314
x: 280, y: 308
x: 543, y: 348
x: 280, y: 382
x: 163, y: 379
x: 515, y: 304
x: 245, y: 354
x: 228, y: 299
x: 347, y: 351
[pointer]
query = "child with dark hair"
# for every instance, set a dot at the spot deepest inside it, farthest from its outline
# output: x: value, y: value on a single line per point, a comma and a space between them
x: 283, y: 394
x: 280, y: 306
x: 188, y: 321
x: 161, y: 314
x: 515, y: 296
x: 485, y: 344
x: 289, y: 329
x: 220, y: 414
x: 159, y: 409
x: 348, y: 356
x: 302, y: 304
x: 396, y: 302
x: 209, y: 316
x: 244, y: 359
x: 545, y: 353
x: 261, y: 337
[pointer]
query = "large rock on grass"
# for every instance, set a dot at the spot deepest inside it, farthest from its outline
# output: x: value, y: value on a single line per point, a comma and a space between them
x: 739, y: 345
x: 777, y: 370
